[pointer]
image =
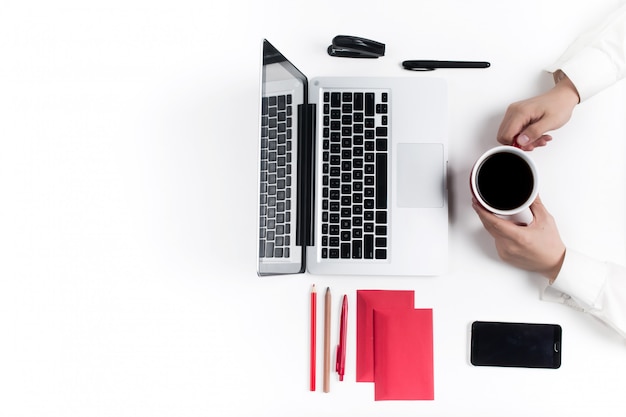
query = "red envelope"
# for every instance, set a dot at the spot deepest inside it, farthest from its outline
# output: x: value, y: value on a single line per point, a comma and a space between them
x: 366, y: 302
x: 403, y: 355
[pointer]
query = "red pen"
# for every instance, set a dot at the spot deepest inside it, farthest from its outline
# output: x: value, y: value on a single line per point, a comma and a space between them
x: 340, y: 366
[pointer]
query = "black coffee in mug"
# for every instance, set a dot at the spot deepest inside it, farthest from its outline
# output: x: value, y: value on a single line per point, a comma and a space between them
x: 505, y: 181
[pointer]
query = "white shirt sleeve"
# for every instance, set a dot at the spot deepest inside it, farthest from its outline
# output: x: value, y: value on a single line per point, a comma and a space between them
x: 597, y: 288
x: 596, y: 59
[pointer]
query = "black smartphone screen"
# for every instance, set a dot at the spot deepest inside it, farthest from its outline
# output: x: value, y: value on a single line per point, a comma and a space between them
x: 516, y: 344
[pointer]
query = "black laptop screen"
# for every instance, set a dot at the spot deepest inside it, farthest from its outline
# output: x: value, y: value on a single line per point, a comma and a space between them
x: 286, y: 160
x: 277, y: 68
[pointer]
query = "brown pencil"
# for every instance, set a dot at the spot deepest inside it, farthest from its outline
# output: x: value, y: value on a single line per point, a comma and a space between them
x: 327, y: 340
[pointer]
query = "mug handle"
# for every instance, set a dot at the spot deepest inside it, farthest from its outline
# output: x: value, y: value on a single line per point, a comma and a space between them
x: 523, y: 218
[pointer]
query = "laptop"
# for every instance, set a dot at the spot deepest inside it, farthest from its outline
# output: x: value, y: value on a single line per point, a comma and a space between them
x: 352, y: 173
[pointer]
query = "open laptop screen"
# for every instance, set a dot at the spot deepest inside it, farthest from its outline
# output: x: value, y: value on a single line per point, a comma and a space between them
x: 283, y: 93
x: 284, y: 71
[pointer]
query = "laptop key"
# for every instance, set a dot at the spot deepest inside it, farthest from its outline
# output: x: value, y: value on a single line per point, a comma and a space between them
x: 345, y: 250
x: 357, y: 250
x: 368, y: 247
x: 358, y: 101
x: 381, y: 180
x: 369, y: 104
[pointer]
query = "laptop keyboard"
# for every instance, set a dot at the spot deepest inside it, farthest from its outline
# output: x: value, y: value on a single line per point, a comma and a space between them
x: 354, y: 182
x: 275, y: 232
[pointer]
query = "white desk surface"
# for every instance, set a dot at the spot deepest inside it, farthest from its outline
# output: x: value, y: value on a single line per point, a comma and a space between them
x: 128, y: 133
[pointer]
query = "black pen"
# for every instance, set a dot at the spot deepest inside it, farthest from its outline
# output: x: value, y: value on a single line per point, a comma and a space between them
x: 429, y: 65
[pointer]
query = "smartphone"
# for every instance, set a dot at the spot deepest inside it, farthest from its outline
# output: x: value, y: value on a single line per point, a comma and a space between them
x: 524, y: 345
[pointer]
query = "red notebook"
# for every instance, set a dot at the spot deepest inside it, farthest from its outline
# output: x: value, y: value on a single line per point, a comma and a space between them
x: 403, y: 354
x: 366, y: 302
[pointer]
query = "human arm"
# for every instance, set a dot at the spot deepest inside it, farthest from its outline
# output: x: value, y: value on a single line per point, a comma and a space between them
x: 537, y: 247
x: 597, y: 288
x: 592, y: 286
x: 597, y: 58
x: 526, y: 122
x: 593, y: 62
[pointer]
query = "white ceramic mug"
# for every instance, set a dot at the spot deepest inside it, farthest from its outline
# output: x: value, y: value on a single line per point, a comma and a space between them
x: 504, y: 181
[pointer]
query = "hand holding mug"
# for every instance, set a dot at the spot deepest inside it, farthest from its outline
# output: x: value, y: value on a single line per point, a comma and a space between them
x: 537, y: 247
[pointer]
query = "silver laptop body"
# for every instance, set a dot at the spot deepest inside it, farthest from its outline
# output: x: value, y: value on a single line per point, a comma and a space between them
x: 352, y: 173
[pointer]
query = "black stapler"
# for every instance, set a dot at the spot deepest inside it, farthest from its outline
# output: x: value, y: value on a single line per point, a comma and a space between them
x: 355, y: 47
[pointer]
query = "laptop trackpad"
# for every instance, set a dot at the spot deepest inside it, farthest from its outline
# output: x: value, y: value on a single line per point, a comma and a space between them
x: 420, y: 175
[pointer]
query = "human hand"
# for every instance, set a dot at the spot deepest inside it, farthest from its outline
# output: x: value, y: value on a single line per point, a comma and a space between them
x: 536, y: 247
x: 526, y: 122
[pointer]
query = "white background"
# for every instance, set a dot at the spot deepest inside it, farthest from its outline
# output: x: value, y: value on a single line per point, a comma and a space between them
x: 128, y: 144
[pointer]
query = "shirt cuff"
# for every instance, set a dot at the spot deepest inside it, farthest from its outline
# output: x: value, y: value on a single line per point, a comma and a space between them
x: 582, y: 278
x: 591, y: 71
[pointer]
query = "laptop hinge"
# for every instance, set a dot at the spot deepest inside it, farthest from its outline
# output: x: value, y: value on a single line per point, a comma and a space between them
x: 306, y: 174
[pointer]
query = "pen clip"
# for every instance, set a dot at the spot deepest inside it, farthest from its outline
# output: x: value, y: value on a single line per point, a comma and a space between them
x: 409, y: 66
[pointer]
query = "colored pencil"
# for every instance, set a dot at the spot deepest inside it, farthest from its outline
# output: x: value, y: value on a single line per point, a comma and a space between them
x: 327, y: 299
x: 313, y: 333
